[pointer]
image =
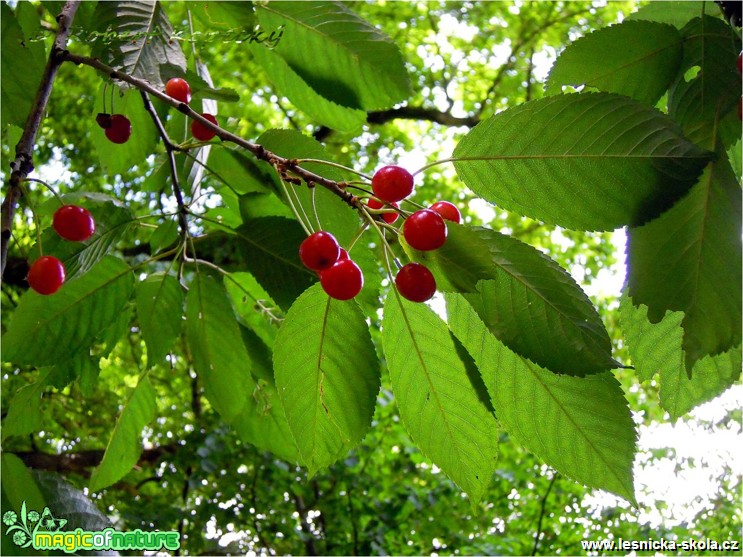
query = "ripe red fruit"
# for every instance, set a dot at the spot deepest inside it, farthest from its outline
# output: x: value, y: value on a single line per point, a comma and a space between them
x: 73, y: 223
x: 319, y: 251
x: 415, y: 282
x: 179, y: 89
x: 46, y: 275
x: 425, y: 230
x: 343, y: 255
x: 389, y: 218
x: 392, y: 183
x: 343, y: 280
x: 200, y: 131
x: 103, y: 120
x: 119, y: 129
x: 447, y: 210
x: 740, y: 62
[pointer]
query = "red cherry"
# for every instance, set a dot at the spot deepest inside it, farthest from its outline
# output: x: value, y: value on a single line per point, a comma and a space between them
x: 415, y: 282
x: 740, y: 63
x: 46, y: 275
x: 119, y: 129
x: 343, y: 280
x: 447, y: 210
x: 425, y: 230
x: 73, y: 223
x: 200, y: 131
x: 343, y: 255
x: 389, y: 218
x: 319, y: 251
x: 179, y: 89
x: 103, y: 120
x: 392, y: 183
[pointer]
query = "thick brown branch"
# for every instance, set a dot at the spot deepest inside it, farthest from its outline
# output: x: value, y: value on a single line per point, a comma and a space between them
x: 23, y: 164
x: 80, y: 462
x: 409, y: 113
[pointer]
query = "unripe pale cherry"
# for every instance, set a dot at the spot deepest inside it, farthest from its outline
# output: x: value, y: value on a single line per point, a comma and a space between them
x: 447, y: 210
x: 392, y: 183
x: 73, y: 223
x: 415, y: 282
x: 46, y: 275
x: 319, y: 251
x: 343, y: 280
x: 425, y: 230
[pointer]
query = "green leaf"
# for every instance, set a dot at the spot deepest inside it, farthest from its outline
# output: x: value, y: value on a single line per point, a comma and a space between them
x: 19, y: 485
x: 657, y: 348
x: 528, y: 301
x: 689, y: 260
x: 242, y: 173
x: 82, y: 367
x: 225, y: 14
x: 219, y: 355
x: 333, y: 213
x: 69, y: 502
x: 160, y: 310
x: 636, y: 58
x: 706, y: 104
x: 110, y: 336
x: 341, y: 56
x: 593, y: 161
x: 24, y: 413
x: 254, y: 307
x: 164, y: 236
x: 327, y: 376
x: 262, y: 423
x: 582, y: 427
x: 290, y: 84
x: 125, y: 445
x: 20, y: 80
x: 270, y: 248
x: 438, y: 403
x: 675, y: 13
x: 70, y: 319
x: 138, y: 41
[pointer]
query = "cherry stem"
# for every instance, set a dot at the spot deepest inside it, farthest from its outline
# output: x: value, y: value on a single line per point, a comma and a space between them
x: 293, y: 208
x: 314, y: 208
x: 50, y: 188
x: 336, y: 165
x: 434, y: 163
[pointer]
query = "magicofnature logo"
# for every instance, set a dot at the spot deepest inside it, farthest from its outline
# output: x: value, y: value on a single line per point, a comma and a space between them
x: 43, y: 531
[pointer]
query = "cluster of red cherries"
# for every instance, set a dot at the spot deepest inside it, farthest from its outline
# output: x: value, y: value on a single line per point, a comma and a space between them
x: 424, y: 230
x: 76, y: 224
x: 73, y: 223
x: 118, y: 128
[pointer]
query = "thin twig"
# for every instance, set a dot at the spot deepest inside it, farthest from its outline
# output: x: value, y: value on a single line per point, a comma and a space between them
x: 542, y: 513
x: 171, y: 148
x: 23, y: 164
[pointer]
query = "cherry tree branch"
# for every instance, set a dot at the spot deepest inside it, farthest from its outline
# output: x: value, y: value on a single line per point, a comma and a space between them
x: 170, y: 147
x: 289, y: 169
x: 23, y: 164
